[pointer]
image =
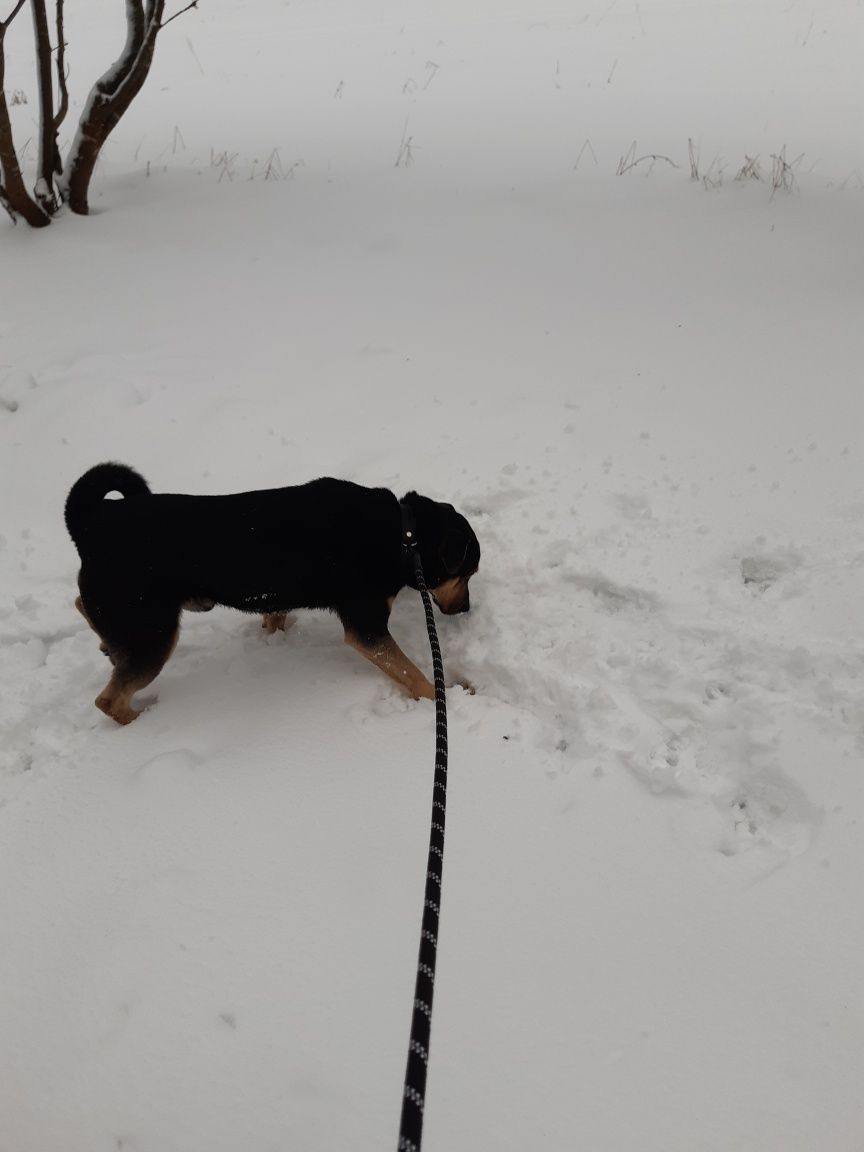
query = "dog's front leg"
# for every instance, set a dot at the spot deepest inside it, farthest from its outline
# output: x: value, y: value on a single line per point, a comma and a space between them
x: 385, y: 653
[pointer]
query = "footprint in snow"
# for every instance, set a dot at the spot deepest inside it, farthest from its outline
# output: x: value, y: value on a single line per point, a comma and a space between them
x: 494, y: 502
x: 165, y: 767
x: 611, y: 597
x: 762, y: 569
x: 746, y: 800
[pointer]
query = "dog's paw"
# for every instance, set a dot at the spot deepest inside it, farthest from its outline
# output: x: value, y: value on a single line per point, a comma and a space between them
x: 273, y: 622
x: 120, y: 712
x: 464, y: 684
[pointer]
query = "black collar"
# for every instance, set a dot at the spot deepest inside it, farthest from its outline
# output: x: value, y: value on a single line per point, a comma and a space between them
x: 410, y: 551
x: 409, y: 527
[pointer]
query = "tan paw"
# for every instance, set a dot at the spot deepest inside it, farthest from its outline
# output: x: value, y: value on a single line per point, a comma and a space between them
x: 118, y: 711
x: 273, y: 622
x: 465, y: 685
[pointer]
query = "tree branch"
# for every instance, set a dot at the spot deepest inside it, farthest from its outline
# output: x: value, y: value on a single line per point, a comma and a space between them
x: 62, y: 87
x: 136, y: 30
x: 165, y: 23
x: 4, y: 24
x: 16, y: 199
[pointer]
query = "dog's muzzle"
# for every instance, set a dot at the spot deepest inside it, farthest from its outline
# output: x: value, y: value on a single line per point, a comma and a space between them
x: 454, y: 607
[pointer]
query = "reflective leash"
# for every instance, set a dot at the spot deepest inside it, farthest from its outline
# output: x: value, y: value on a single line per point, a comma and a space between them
x: 411, y: 1124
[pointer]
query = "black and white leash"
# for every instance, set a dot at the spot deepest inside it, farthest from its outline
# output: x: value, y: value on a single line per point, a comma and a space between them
x: 414, y: 1097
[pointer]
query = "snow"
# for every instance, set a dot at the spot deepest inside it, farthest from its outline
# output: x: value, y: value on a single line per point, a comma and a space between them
x: 644, y: 392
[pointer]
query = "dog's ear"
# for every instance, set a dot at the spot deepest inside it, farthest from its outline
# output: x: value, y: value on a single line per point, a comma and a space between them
x: 454, y: 549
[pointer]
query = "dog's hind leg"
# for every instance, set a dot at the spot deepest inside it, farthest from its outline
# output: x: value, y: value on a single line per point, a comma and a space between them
x: 103, y: 647
x: 138, y: 660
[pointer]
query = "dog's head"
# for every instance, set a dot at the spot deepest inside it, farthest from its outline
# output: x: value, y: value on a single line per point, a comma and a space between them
x: 449, y: 552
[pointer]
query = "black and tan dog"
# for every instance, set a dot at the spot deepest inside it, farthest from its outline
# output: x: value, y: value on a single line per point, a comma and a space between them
x: 327, y: 544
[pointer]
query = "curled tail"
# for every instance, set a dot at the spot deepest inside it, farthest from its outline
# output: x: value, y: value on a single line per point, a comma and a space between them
x: 88, y: 492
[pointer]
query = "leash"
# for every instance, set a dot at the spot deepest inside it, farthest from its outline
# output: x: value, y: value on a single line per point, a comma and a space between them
x: 414, y: 1095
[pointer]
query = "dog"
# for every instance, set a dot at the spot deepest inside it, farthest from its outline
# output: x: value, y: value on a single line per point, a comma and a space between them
x: 328, y: 544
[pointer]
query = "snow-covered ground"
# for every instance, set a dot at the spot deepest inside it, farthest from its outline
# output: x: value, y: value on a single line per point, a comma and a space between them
x: 645, y: 393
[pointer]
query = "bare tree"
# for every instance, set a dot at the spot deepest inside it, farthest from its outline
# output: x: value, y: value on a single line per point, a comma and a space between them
x: 13, y: 193
x: 111, y: 95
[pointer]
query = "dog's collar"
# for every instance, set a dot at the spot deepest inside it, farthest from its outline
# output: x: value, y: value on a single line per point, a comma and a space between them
x: 410, y: 552
x: 409, y: 527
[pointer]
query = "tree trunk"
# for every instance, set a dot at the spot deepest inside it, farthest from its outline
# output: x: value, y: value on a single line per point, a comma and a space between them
x: 110, y: 97
x: 47, y: 143
x: 13, y: 193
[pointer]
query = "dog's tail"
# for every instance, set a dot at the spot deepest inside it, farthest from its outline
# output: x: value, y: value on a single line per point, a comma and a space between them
x: 88, y: 492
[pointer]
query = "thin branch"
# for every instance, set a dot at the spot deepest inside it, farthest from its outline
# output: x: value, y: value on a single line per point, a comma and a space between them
x: 4, y: 24
x: 62, y: 87
x: 165, y: 23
